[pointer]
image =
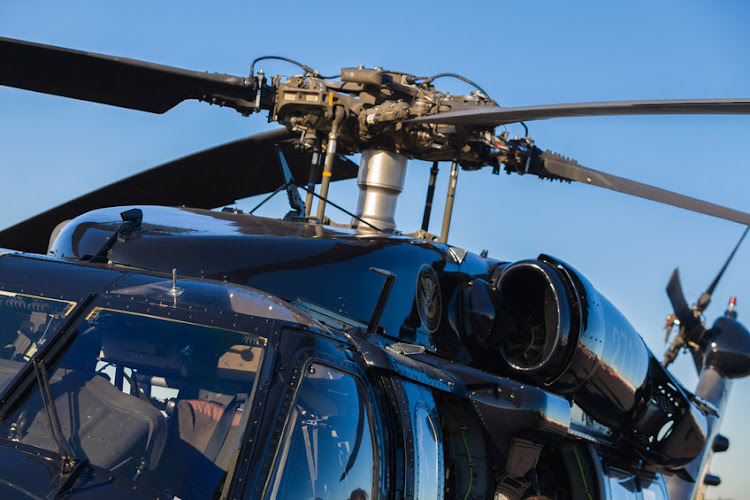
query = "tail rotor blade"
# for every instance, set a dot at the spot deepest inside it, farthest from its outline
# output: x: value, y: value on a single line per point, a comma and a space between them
x: 691, y: 328
x: 692, y: 331
x: 680, y: 306
x: 705, y: 299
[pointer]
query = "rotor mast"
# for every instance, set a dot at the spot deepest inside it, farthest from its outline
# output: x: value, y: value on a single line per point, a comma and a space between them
x: 380, y: 181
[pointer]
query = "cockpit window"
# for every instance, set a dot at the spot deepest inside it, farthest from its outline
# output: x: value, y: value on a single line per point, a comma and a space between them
x: 427, y: 456
x: 158, y: 400
x: 27, y: 322
x: 327, y: 451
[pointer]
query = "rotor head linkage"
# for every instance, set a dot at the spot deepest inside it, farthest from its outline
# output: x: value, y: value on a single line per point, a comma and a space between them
x: 358, y: 110
x: 380, y: 180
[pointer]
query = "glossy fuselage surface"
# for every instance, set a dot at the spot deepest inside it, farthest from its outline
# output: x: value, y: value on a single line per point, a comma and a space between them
x: 301, y: 263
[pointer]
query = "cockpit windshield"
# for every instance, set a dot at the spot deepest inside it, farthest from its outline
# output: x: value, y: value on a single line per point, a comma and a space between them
x: 159, y: 400
x: 27, y: 322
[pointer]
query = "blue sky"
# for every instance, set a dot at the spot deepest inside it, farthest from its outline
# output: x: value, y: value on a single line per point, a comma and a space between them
x: 522, y: 53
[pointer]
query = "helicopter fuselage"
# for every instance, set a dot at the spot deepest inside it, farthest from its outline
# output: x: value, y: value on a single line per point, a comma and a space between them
x: 185, y: 353
x: 434, y: 390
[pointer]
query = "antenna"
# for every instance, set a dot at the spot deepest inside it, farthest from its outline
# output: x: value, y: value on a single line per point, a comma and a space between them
x: 295, y: 201
x: 385, y: 292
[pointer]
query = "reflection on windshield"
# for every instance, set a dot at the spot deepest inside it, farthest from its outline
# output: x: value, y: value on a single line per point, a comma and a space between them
x: 427, y: 447
x: 26, y: 323
x: 157, y: 400
x: 328, y: 450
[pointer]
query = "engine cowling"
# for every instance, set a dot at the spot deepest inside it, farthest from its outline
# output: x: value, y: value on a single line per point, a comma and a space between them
x: 553, y: 329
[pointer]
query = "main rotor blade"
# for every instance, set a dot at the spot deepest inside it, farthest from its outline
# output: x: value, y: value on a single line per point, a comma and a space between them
x: 556, y: 166
x: 494, y: 116
x: 127, y: 83
x: 208, y: 179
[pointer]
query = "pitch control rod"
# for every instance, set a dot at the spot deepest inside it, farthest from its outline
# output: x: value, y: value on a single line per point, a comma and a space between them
x: 314, y: 173
x: 430, y: 195
x: 449, y: 202
x: 330, y: 157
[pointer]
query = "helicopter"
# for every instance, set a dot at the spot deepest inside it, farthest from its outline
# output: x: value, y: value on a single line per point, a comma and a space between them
x: 216, y: 353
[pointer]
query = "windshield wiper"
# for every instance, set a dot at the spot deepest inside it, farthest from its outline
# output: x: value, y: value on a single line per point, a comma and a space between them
x: 70, y: 464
